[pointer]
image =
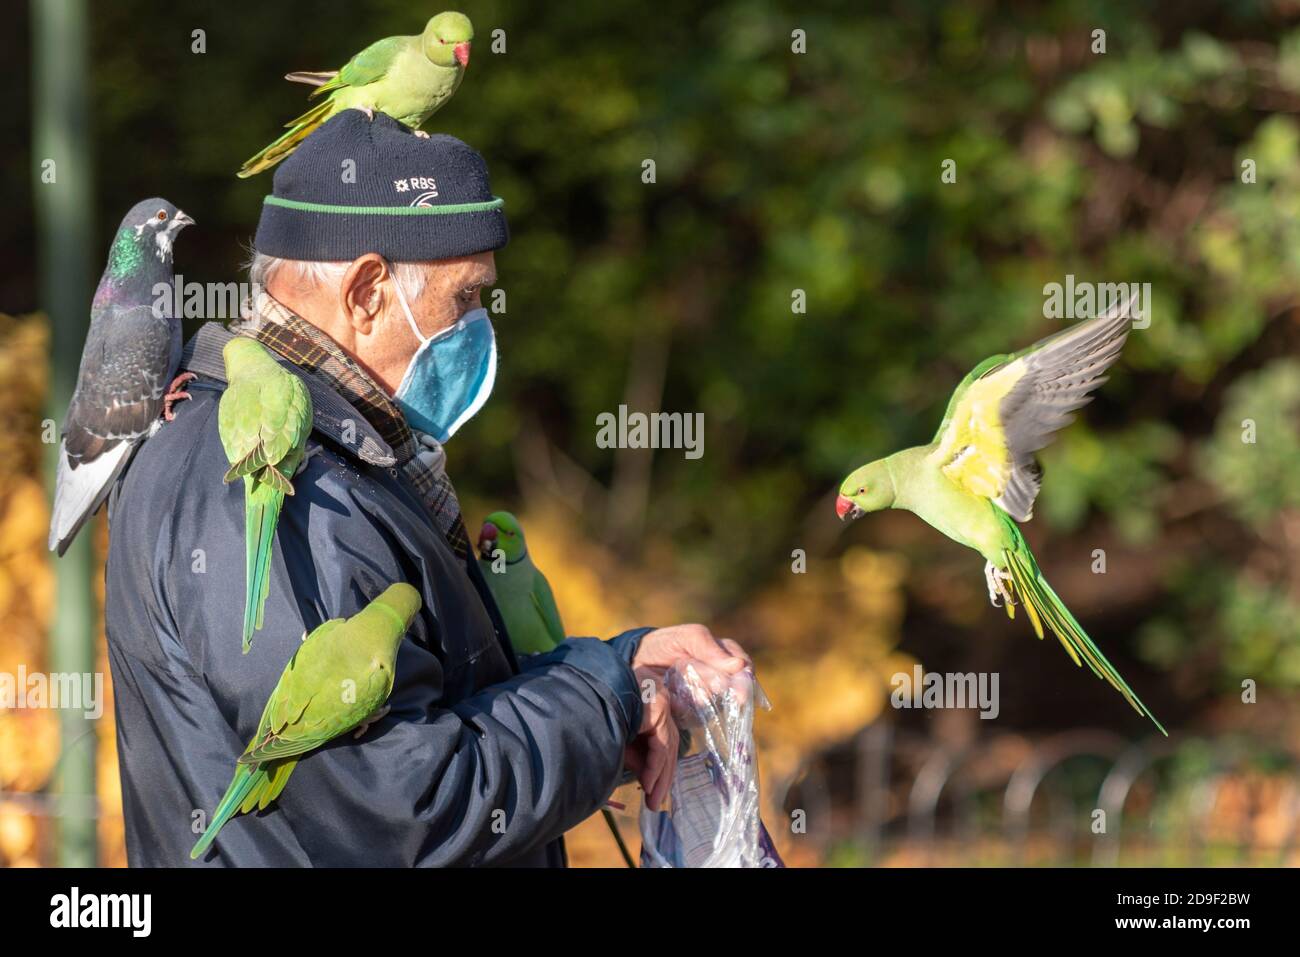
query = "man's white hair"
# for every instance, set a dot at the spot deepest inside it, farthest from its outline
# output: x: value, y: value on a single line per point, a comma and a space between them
x: 263, y: 268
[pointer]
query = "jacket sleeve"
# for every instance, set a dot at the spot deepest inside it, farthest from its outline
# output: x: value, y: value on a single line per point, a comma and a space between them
x: 457, y: 773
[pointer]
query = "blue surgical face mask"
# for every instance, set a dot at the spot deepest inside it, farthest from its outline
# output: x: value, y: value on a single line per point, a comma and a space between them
x: 450, y: 376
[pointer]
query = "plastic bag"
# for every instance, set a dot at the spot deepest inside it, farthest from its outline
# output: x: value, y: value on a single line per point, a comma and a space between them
x: 713, y: 821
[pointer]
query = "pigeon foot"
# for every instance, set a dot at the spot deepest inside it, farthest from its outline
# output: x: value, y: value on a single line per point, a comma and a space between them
x: 176, y: 393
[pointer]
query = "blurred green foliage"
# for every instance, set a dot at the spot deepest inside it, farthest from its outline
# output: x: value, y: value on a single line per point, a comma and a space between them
x: 778, y: 171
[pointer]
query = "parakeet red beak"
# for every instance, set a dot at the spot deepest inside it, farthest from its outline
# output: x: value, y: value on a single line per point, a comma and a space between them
x: 845, y: 508
x: 487, y: 540
x: 461, y: 52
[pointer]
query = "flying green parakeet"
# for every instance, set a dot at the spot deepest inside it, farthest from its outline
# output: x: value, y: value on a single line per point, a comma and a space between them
x: 521, y: 591
x: 264, y: 418
x: 978, y: 476
x: 524, y: 598
x: 337, y: 680
x: 408, y: 78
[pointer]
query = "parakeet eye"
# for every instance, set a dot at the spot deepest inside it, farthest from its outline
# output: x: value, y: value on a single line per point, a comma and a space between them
x: 861, y: 491
x: 161, y: 215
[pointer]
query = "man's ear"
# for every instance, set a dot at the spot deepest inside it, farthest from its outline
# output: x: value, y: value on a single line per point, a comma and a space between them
x: 362, y: 294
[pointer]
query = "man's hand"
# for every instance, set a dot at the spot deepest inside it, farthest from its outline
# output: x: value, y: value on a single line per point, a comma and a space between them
x: 653, y: 754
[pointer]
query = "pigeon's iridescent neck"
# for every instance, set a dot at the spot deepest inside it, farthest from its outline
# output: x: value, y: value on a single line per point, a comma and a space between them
x: 130, y: 272
x: 126, y: 257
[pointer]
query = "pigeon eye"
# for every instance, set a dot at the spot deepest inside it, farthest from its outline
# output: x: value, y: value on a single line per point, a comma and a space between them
x: 162, y: 214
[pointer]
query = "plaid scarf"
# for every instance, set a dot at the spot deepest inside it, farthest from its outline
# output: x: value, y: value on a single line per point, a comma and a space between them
x: 420, y: 457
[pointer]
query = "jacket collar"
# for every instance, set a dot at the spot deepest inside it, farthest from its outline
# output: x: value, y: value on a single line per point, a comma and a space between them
x: 332, y: 415
x: 283, y: 331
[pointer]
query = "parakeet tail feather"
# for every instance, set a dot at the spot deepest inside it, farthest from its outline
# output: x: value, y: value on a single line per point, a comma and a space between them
x: 312, y: 77
x: 299, y: 130
x: 262, y: 511
x: 245, y: 782
x: 1045, y: 609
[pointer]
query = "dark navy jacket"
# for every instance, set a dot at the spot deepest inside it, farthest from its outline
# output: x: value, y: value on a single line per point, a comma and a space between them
x: 476, y: 763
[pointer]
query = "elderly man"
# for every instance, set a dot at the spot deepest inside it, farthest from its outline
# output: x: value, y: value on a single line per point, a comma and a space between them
x: 373, y: 250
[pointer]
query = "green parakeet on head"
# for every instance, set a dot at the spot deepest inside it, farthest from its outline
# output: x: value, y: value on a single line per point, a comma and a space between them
x: 527, y: 606
x: 408, y: 78
x: 978, y: 476
x: 264, y: 418
x: 521, y: 591
x: 339, y: 678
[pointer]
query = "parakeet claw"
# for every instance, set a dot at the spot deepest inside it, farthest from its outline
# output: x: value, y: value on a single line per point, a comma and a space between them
x: 421, y: 134
x: 175, y: 393
x: 302, y: 466
x: 370, y: 113
x: 364, y: 726
x: 997, y: 579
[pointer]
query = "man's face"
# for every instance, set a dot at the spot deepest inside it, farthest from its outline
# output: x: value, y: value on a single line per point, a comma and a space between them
x: 452, y: 288
x: 364, y: 315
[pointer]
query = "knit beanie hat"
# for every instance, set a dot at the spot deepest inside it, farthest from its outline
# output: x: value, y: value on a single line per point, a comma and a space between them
x: 358, y: 186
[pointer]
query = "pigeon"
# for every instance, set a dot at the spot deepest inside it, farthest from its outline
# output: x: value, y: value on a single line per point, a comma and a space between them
x: 127, y: 382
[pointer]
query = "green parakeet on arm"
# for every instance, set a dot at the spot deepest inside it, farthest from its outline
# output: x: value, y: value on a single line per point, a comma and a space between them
x: 521, y: 591
x: 978, y: 476
x: 527, y: 606
x: 408, y: 78
x: 264, y: 418
x: 339, y: 678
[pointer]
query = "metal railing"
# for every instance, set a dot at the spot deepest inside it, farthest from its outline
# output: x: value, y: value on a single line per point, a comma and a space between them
x: 1084, y: 796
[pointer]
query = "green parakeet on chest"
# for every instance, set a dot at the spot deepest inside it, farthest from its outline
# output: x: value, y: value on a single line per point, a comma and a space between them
x: 527, y: 606
x: 978, y: 476
x: 407, y: 78
x: 522, y: 593
x: 339, y: 678
x: 264, y: 418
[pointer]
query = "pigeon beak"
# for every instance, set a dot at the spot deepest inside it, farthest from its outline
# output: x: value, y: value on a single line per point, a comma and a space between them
x: 461, y: 52
x: 845, y: 509
x: 181, y: 220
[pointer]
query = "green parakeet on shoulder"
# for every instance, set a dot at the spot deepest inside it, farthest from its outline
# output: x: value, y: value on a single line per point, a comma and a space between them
x: 521, y: 591
x: 264, y: 418
x: 527, y: 606
x: 978, y: 476
x: 408, y: 78
x: 339, y: 678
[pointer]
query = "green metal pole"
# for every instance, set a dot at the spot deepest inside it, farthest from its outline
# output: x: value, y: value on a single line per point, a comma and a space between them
x: 62, y: 178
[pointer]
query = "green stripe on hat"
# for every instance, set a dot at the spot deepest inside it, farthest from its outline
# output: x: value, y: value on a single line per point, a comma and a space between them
x: 495, y: 203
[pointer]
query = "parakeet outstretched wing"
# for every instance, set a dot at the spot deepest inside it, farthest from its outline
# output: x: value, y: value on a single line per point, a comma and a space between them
x: 1001, y: 416
x: 991, y: 362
